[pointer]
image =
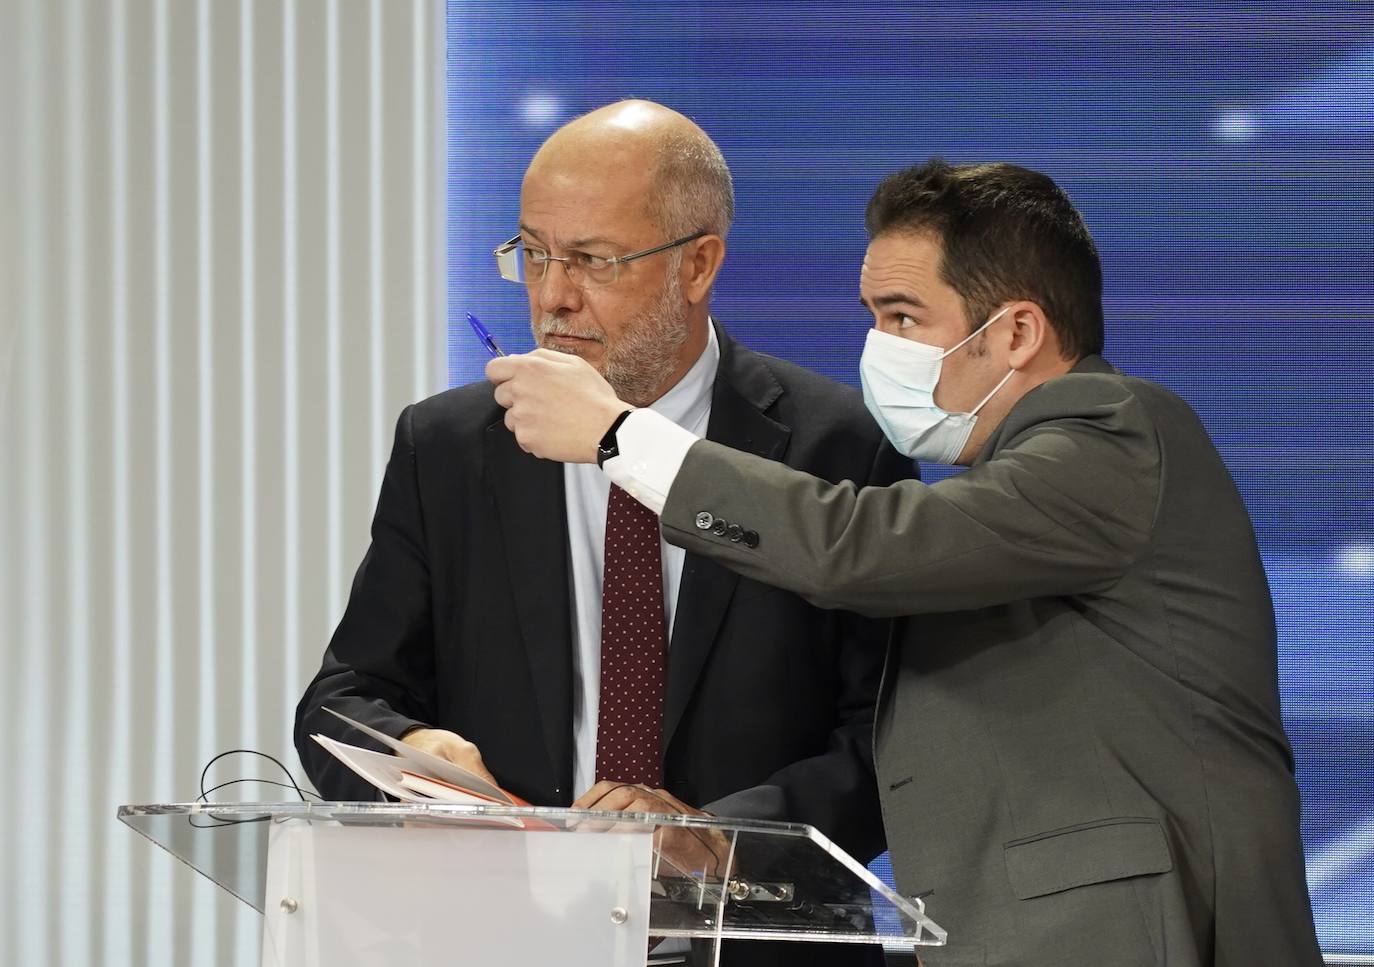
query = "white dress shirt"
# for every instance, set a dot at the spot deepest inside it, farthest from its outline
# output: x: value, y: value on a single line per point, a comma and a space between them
x: 651, y: 451
x: 686, y: 408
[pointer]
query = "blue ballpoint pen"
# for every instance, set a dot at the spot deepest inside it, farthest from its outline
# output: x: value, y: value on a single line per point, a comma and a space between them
x: 484, y: 336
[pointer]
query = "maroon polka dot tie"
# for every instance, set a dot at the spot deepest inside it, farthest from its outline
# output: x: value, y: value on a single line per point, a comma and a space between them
x: 634, y: 644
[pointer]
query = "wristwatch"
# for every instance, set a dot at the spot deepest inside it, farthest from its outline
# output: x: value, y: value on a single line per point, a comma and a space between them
x: 608, y: 447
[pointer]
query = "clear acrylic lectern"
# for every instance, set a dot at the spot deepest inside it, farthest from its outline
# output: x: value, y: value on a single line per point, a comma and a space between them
x: 354, y: 884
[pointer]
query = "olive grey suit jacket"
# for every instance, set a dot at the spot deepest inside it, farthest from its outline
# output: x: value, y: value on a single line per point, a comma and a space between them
x: 1079, y: 749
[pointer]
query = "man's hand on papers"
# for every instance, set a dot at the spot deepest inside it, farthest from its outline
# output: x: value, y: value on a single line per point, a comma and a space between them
x: 450, y: 746
x: 692, y: 851
x: 557, y: 405
x: 624, y: 797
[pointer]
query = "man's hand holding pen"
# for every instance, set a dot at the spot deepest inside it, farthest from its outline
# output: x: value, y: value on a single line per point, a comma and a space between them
x: 557, y: 405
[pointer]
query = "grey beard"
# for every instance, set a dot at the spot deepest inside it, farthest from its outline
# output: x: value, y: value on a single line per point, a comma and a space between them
x: 648, y: 349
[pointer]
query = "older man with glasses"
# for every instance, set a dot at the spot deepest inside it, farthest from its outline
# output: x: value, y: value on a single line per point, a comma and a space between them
x: 526, y: 620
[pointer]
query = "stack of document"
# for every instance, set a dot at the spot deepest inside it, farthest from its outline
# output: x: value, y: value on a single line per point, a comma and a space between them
x: 412, y: 775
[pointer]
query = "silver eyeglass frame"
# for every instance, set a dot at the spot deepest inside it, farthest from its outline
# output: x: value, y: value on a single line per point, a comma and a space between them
x: 508, y: 263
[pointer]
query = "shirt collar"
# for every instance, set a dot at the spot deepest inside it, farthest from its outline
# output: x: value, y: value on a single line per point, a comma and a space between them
x: 687, y: 403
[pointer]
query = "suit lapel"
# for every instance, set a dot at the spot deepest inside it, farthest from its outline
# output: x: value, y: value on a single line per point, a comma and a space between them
x: 532, y: 518
x: 744, y: 390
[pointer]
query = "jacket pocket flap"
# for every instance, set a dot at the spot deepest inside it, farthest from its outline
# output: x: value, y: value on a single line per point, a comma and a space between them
x: 1109, y: 849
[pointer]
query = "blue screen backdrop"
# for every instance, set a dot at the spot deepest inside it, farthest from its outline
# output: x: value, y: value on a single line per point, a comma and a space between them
x: 1222, y: 155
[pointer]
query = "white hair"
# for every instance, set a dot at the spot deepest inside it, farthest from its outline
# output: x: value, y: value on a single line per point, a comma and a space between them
x: 691, y: 190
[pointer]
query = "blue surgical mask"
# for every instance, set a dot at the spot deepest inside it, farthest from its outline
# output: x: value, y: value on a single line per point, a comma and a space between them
x: 899, y: 378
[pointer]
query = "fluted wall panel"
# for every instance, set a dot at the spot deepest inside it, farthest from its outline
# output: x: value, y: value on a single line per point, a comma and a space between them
x: 220, y: 279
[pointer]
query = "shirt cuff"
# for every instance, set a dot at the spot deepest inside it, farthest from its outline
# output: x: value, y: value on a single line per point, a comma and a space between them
x: 652, y: 448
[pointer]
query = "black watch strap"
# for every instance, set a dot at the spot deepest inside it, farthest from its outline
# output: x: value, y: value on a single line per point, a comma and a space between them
x: 608, y: 447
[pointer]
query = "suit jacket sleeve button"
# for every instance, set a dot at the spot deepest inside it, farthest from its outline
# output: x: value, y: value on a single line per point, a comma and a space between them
x: 704, y: 521
x: 719, y: 526
x: 751, y: 539
x: 735, y: 532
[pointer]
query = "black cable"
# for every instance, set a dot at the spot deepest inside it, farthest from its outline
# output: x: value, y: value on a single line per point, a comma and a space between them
x: 205, y: 793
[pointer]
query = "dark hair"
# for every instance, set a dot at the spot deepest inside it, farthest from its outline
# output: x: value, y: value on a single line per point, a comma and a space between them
x: 1005, y: 233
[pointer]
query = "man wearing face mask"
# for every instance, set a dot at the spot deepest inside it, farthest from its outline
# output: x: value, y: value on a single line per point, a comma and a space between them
x: 1080, y: 754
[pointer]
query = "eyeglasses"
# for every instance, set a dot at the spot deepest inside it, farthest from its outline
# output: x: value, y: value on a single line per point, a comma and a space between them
x: 518, y: 262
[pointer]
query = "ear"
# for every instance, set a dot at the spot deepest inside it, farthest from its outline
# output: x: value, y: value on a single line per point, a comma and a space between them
x: 1031, y: 335
x: 700, y: 265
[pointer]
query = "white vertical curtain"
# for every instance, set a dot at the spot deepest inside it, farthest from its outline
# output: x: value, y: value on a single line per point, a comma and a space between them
x: 221, y: 277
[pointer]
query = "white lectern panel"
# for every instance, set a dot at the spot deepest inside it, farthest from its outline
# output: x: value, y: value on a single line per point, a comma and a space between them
x: 347, y: 896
